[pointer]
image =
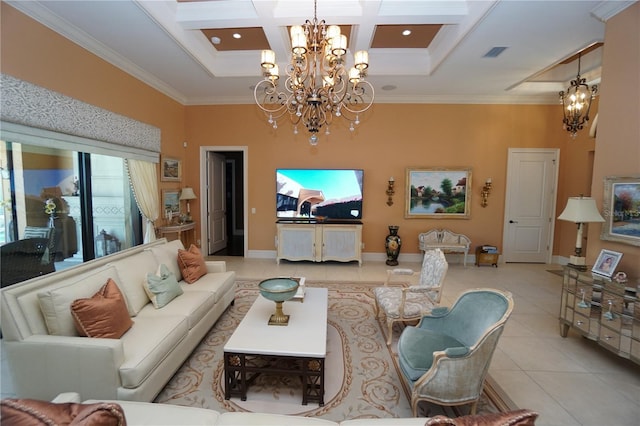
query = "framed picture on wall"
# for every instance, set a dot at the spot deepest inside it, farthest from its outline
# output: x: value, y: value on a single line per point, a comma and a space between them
x: 170, y: 203
x: 170, y: 169
x: 621, y: 209
x: 607, y: 262
x: 438, y: 193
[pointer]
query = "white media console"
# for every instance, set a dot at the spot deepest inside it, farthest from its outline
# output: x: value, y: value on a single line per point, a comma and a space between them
x: 319, y: 242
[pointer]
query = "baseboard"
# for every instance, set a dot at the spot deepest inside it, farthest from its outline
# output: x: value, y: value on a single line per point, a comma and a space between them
x: 373, y: 257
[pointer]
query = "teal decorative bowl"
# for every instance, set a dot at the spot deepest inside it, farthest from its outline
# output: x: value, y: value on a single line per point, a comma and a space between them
x: 278, y: 290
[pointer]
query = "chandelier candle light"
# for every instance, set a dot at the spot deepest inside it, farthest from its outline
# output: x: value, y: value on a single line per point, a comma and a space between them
x: 318, y: 86
x: 576, y: 103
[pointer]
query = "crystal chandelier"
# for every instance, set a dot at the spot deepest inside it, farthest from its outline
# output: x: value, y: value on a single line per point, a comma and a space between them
x: 576, y: 103
x: 318, y: 86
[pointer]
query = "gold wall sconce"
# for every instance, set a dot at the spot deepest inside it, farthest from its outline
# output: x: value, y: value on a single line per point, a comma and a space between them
x: 390, y: 191
x: 486, y: 190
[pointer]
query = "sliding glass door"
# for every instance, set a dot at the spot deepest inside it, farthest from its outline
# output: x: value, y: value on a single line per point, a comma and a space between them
x: 79, y: 203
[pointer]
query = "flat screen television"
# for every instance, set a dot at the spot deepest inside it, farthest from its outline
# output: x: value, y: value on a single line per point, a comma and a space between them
x: 319, y: 194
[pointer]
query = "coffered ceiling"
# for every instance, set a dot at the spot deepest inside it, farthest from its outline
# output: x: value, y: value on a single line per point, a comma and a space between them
x: 458, y: 51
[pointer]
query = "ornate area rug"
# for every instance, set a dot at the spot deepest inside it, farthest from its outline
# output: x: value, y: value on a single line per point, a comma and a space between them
x: 361, y: 378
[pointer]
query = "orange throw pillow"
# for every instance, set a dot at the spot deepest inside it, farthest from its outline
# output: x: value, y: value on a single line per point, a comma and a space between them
x: 521, y: 417
x: 31, y: 412
x: 104, y: 315
x: 191, y: 264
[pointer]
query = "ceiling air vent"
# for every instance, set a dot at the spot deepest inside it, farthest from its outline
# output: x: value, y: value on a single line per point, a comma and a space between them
x: 494, y: 52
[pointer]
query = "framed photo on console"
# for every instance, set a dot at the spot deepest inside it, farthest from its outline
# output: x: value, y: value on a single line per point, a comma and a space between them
x: 621, y: 209
x: 606, y: 263
x: 438, y: 193
x: 171, y: 202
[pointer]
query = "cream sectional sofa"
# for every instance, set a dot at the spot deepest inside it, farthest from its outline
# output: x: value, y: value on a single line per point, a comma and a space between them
x: 144, y: 413
x: 46, y: 356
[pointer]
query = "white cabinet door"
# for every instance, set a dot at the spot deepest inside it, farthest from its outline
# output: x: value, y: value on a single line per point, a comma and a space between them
x: 297, y: 242
x: 341, y: 242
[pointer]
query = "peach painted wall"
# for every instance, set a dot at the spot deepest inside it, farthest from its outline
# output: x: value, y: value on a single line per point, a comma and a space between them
x: 34, y: 53
x: 618, y: 138
x: 390, y: 139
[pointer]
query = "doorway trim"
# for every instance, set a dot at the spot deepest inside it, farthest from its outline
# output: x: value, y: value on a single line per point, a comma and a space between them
x: 204, y: 150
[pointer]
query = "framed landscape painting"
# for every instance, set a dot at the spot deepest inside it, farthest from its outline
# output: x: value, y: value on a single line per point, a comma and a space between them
x: 621, y: 209
x: 171, y: 202
x: 438, y: 193
x: 170, y: 169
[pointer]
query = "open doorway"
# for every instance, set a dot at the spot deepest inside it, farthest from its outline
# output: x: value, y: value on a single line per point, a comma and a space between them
x: 224, y: 180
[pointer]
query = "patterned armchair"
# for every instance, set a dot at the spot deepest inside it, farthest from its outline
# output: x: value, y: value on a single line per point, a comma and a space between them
x: 402, y: 304
x: 445, y: 358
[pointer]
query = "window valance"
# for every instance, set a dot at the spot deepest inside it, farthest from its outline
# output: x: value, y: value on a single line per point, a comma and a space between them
x: 31, y: 113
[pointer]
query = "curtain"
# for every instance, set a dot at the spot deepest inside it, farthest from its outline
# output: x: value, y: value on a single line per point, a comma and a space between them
x: 144, y: 181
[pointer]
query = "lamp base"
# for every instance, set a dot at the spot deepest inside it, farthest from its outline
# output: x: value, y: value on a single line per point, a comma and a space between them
x: 579, y: 263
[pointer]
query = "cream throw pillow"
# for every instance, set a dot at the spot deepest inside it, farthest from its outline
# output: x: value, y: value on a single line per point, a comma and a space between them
x: 55, y: 301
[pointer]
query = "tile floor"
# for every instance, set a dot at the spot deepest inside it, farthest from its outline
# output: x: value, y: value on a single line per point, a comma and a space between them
x: 569, y: 381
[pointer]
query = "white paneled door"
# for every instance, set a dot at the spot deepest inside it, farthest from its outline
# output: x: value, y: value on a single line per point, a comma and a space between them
x: 530, y: 205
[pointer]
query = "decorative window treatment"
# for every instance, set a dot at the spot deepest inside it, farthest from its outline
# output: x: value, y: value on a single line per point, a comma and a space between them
x: 144, y: 182
x: 27, y: 105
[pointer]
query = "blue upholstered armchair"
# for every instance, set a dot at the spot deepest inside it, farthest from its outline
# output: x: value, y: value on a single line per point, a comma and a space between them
x: 445, y: 358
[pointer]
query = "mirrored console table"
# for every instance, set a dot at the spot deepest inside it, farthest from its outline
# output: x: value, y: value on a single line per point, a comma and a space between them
x: 602, y: 310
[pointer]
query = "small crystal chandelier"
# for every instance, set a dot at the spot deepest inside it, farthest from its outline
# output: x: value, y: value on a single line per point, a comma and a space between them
x: 576, y: 103
x: 318, y: 86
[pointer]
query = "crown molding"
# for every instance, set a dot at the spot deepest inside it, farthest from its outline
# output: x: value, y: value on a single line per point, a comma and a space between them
x: 41, y: 14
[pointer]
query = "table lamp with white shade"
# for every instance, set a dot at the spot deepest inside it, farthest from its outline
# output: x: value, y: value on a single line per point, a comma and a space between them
x: 580, y: 210
x: 188, y: 194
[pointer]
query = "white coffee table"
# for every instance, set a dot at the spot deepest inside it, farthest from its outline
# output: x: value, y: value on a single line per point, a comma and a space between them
x: 299, y: 349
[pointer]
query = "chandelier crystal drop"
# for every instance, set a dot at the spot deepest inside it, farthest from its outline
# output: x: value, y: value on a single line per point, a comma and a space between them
x: 576, y: 103
x: 318, y: 86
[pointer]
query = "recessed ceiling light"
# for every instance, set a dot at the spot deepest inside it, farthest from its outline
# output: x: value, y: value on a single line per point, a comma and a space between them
x: 389, y: 87
x: 406, y: 32
x: 215, y: 40
x: 237, y: 35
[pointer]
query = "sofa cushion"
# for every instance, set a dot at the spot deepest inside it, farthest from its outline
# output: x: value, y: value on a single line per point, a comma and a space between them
x: 416, y: 347
x: 191, y: 264
x: 218, y: 284
x: 168, y: 254
x: 263, y: 419
x: 133, y: 271
x: 30, y: 412
x: 103, y: 315
x: 522, y: 417
x: 55, y: 301
x: 147, y: 413
x: 386, y: 421
x: 148, y: 343
x: 194, y: 305
x: 162, y: 287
